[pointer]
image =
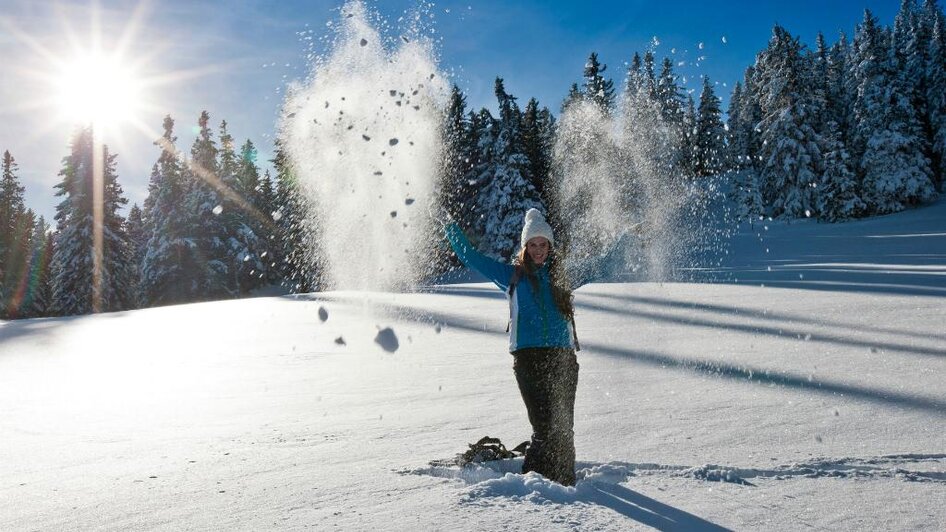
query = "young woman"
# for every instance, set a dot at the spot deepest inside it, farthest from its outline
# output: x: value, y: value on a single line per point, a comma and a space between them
x: 541, y: 339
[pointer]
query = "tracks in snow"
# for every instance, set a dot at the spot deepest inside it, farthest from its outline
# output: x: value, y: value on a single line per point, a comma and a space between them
x: 905, y: 467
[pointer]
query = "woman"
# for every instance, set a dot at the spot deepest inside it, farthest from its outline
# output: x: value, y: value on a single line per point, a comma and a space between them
x: 542, y: 341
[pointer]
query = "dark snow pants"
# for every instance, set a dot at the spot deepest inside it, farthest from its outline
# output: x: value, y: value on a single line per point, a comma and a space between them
x: 548, y: 379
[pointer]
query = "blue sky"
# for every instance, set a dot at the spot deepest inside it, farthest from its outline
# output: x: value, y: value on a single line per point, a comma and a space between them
x: 235, y: 58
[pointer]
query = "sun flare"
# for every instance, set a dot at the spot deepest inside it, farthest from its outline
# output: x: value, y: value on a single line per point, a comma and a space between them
x: 97, y: 89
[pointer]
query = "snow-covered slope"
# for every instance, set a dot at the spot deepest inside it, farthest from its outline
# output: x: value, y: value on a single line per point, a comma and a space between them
x: 699, y: 405
x: 902, y: 253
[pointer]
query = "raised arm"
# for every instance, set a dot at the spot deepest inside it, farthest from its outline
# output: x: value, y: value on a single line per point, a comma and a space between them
x: 495, y: 271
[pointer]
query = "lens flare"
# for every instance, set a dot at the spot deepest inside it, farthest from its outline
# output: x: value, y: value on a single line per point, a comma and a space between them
x: 97, y: 89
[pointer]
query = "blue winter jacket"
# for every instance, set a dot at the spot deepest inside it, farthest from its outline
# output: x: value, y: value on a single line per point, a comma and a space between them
x: 535, y: 320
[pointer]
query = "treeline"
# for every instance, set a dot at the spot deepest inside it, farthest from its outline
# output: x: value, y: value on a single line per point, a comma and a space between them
x: 847, y: 130
x: 496, y: 168
x: 210, y: 228
x: 843, y: 131
x: 25, y: 250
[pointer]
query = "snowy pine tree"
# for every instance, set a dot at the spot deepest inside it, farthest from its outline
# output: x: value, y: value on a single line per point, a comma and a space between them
x: 18, y: 257
x: 743, y: 136
x: 479, y: 145
x: 11, y: 213
x: 77, y: 287
x: 574, y: 95
x: 649, y: 159
x: 838, y: 101
x: 228, y: 161
x: 538, y: 136
x: 72, y: 260
x: 671, y: 99
x: 747, y: 195
x: 669, y: 94
x: 269, y: 230
x: 819, y: 63
x: 635, y: 74
x: 171, y: 261
x: 745, y: 187
x: 248, y: 178
x: 238, y: 241
x: 653, y: 131
x: 688, y: 140
x: 244, y: 249
x: 736, y: 143
x: 936, y: 94
x: 648, y: 74
x: 206, y: 228
x: 38, y: 293
x: 454, y: 190
x: 266, y: 200
x: 118, y: 271
x: 709, y: 144
x: 750, y: 117
x: 297, y: 250
x: 910, y: 40
x: 596, y: 87
x: 137, y: 232
x: 454, y: 194
x: 506, y: 192
x: 791, y: 149
x: 838, y: 197
x: 895, y: 173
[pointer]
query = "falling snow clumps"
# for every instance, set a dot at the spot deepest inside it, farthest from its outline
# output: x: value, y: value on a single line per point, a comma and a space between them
x: 385, y: 115
x: 387, y: 340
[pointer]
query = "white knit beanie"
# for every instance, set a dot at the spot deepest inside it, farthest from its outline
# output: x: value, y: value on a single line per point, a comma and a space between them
x: 536, y: 226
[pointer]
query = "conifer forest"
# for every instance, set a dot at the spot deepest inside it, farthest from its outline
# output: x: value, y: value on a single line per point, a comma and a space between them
x: 846, y: 127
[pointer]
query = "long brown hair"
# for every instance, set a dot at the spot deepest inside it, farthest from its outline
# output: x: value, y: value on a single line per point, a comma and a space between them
x: 561, y: 291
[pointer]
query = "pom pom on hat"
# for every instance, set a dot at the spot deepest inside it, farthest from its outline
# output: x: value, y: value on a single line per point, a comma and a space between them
x: 535, y: 225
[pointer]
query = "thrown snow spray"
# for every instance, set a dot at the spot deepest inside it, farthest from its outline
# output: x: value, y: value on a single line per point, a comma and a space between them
x: 619, y: 175
x: 362, y: 136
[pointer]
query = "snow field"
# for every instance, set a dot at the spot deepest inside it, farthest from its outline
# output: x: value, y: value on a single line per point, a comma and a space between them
x: 247, y: 414
x: 805, y: 403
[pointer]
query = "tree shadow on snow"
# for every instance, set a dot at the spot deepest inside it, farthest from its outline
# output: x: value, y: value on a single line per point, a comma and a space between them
x: 742, y: 373
x: 844, y: 279
x: 753, y: 313
x: 413, y: 314
x: 767, y: 377
x: 40, y: 328
x: 772, y: 330
x: 490, y: 292
x: 645, y: 510
x: 877, y: 256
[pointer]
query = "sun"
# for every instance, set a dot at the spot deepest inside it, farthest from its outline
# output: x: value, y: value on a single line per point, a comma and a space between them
x: 102, y: 78
x: 96, y: 88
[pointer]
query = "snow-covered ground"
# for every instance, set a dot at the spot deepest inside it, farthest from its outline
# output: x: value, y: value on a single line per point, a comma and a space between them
x: 812, y: 402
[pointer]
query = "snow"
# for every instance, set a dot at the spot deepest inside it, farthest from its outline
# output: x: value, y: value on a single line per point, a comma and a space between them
x: 345, y: 101
x: 387, y: 339
x: 801, y: 404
